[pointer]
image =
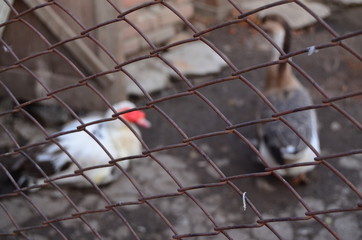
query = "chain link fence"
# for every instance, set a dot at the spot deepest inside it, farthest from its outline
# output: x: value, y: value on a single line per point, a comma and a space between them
x: 184, y: 185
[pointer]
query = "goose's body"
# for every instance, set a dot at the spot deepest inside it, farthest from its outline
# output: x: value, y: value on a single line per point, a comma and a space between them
x: 279, y: 145
x: 114, y: 135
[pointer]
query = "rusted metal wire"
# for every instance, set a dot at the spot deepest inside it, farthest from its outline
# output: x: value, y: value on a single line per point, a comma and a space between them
x: 181, y: 190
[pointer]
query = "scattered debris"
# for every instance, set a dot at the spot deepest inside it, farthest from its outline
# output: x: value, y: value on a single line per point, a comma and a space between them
x: 335, y: 126
x: 264, y: 185
x: 234, y: 102
x: 244, y: 201
x: 206, y: 148
x: 311, y: 50
x: 351, y: 163
x: 5, y: 48
x: 328, y: 220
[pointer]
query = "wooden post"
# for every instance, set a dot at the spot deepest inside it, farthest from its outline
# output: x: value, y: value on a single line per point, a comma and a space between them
x: 111, y: 37
x: 91, y: 57
x: 79, y: 49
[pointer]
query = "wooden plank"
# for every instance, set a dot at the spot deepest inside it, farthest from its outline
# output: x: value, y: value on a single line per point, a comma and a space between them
x: 79, y: 49
x: 4, y: 14
x: 111, y: 37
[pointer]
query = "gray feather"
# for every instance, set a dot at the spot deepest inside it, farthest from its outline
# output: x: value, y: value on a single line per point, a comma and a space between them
x: 276, y: 134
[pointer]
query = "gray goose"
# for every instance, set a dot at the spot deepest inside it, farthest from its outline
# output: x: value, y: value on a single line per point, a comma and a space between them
x: 278, y: 144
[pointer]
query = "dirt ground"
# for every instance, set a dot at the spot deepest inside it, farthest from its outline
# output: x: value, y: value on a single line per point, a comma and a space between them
x: 334, y: 69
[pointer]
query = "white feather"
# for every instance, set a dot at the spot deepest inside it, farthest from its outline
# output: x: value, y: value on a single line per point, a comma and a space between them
x: 290, y: 149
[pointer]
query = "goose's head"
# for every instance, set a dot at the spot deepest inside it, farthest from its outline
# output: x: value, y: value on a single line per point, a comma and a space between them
x: 137, y: 116
x: 278, y: 29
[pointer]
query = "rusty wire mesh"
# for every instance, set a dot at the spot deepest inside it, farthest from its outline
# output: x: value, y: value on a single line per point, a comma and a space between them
x: 54, y: 225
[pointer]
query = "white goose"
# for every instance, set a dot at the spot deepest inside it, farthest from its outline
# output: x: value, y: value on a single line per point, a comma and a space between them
x: 279, y: 145
x: 114, y: 135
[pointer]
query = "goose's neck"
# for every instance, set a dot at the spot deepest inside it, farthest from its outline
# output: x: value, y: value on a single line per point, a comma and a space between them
x: 280, y: 75
x: 279, y: 38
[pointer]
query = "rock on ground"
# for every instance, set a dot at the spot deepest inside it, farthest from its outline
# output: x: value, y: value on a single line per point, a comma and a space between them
x: 283, y: 228
x: 150, y: 73
x: 348, y: 2
x: 194, y: 58
x: 347, y: 226
x: 296, y: 16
